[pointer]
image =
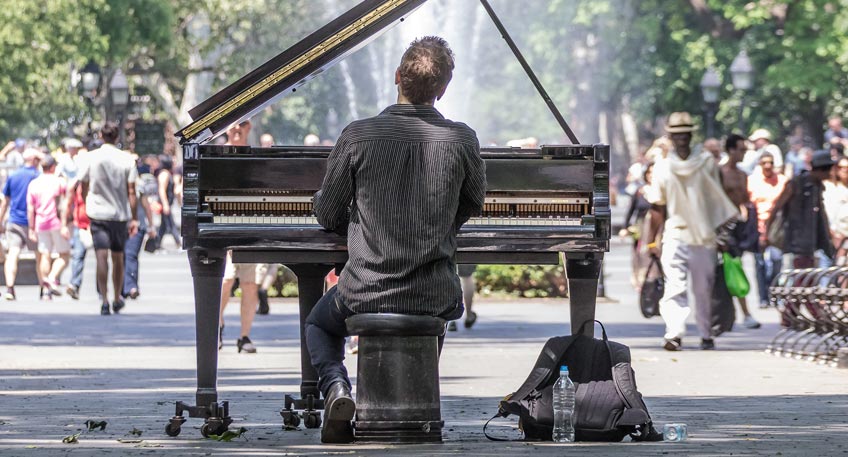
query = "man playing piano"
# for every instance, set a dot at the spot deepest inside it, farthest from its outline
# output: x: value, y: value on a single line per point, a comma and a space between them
x: 399, y: 185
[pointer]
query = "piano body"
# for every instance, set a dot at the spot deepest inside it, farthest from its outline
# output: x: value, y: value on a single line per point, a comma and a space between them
x: 257, y: 202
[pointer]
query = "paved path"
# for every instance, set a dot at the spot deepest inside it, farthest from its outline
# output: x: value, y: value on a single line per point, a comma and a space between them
x: 62, y: 364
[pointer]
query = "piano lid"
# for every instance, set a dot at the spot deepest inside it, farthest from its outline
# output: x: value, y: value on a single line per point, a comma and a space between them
x: 294, y: 67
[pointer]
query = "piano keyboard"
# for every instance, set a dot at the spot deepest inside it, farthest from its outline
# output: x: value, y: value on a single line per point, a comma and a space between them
x: 549, y: 211
x: 474, y: 221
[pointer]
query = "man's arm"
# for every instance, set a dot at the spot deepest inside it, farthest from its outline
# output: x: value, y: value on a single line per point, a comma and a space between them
x: 30, y: 198
x: 332, y: 203
x: 163, y: 191
x: 472, y: 195
x: 65, y: 210
x: 133, y: 225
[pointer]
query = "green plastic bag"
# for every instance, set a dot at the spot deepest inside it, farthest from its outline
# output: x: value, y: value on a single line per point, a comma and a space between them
x: 734, y: 276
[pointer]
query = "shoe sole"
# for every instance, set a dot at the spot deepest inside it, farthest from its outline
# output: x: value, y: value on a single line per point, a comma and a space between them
x: 341, y: 409
x: 337, y: 432
x: 671, y: 346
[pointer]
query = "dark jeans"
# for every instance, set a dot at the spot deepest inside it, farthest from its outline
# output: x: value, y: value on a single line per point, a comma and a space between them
x: 767, y: 269
x: 325, y: 335
x: 131, y: 250
x: 168, y: 227
x: 77, y: 259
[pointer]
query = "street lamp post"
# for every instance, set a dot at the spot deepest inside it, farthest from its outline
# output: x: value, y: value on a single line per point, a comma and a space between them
x: 119, y: 91
x: 709, y: 88
x: 743, y: 79
x: 89, y: 82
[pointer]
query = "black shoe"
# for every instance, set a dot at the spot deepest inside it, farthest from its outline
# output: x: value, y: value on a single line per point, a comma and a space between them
x: 673, y: 344
x: 10, y: 293
x: 707, y: 344
x: 470, y: 319
x: 117, y: 306
x: 452, y: 326
x: 339, y: 409
x: 263, y: 302
x: 104, y: 309
x: 244, y: 344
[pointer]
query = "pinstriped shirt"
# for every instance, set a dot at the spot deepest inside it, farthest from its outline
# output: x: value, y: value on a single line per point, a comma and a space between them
x: 401, y: 184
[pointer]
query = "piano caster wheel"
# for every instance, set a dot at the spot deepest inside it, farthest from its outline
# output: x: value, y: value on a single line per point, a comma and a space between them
x: 213, y: 426
x: 174, y: 426
x: 290, y: 419
x: 312, y: 419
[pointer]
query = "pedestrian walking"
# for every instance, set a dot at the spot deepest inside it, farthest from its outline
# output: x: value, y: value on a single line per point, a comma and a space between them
x: 165, y: 178
x: 43, y: 196
x: 735, y: 183
x: 764, y: 187
x: 836, y: 206
x: 804, y: 221
x: 108, y: 180
x: 248, y: 274
x: 687, y: 195
x: 147, y: 189
x: 17, y: 229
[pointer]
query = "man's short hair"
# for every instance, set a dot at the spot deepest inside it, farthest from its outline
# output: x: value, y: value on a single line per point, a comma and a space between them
x: 425, y: 69
x: 766, y: 155
x: 731, y: 141
x: 109, y: 132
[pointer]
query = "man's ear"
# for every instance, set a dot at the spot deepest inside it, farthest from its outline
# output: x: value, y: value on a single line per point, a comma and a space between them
x: 397, y: 77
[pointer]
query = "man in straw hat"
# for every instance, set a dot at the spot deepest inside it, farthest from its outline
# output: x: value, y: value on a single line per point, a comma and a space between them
x: 686, y: 194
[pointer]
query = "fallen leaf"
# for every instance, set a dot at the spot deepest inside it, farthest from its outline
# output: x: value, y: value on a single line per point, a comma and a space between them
x: 71, y: 439
x: 126, y: 441
x: 135, y: 432
x: 229, y: 435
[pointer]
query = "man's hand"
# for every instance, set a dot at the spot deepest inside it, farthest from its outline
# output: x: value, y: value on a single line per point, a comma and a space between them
x: 66, y: 234
x: 32, y: 235
x: 2, y: 227
x: 132, y: 227
x: 151, y: 232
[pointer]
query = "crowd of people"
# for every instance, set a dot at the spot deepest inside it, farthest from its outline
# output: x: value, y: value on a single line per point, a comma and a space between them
x: 740, y: 195
x: 81, y: 196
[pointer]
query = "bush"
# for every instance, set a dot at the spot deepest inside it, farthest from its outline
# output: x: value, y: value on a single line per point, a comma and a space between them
x: 521, y: 281
x: 529, y: 281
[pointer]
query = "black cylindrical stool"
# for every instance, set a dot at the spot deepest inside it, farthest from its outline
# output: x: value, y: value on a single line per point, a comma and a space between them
x: 397, y: 380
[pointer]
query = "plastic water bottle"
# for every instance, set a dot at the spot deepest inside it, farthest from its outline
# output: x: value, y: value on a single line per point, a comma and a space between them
x: 564, y: 402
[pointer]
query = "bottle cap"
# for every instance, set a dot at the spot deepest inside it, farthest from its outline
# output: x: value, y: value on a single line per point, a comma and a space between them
x: 563, y: 368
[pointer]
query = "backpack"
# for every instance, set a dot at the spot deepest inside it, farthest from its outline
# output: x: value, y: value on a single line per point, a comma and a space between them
x: 608, y: 404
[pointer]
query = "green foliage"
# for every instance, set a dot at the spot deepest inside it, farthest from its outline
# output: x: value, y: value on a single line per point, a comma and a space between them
x: 528, y: 281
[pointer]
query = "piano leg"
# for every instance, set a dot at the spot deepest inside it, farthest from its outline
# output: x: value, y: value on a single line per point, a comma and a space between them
x: 583, y: 271
x: 310, y: 288
x: 207, y: 270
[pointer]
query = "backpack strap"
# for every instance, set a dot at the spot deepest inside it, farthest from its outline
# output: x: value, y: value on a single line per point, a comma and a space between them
x: 636, y: 413
x: 604, y: 336
x: 545, y: 365
x: 494, y: 438
x: 654, y: 261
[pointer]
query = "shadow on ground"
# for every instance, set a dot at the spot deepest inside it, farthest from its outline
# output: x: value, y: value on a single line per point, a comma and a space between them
x: 144, y: 399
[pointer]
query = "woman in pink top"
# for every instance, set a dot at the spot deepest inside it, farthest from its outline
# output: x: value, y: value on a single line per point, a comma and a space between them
x: 43, y: 196
x: 764, y: 187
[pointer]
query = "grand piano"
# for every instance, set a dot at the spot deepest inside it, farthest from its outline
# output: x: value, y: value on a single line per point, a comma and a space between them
x: 257, y: 202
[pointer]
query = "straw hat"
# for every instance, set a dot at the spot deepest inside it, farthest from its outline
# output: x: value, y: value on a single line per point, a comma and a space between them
x: 760, y: 134
x: 680, y: 122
